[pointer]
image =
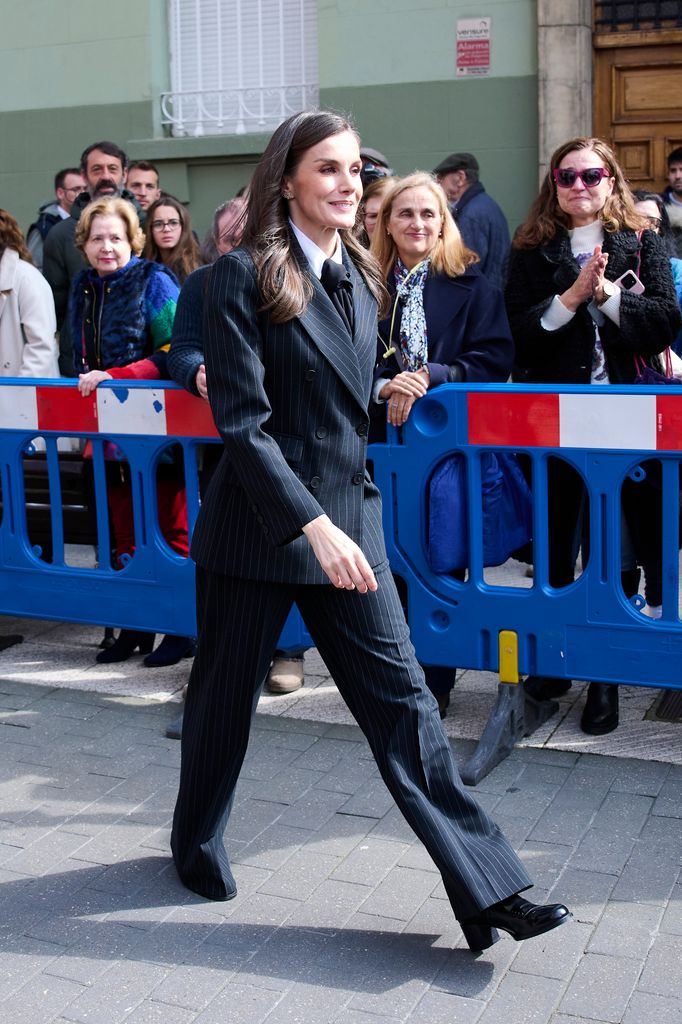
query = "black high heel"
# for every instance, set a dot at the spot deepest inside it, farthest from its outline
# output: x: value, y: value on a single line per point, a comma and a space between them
x: 127, y: 642
x: 478, y: 935
x: 516, y: 916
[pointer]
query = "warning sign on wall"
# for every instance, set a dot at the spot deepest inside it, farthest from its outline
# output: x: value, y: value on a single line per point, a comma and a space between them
x: 473, y: 46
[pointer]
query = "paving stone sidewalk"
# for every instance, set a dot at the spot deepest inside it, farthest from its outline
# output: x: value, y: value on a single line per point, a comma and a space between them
x: 340, y: 917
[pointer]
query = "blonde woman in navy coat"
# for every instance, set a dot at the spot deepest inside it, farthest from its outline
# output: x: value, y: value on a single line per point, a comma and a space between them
x: 292, y: 516
x: 446, y: 323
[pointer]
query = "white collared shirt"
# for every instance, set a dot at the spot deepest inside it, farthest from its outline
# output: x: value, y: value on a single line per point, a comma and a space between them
x: 312, y: 252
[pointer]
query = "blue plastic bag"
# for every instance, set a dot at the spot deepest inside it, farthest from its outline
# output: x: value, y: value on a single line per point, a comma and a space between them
x: 507, y: 507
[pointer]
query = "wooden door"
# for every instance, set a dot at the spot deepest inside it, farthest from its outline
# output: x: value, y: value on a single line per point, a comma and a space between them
x: 638, y: 101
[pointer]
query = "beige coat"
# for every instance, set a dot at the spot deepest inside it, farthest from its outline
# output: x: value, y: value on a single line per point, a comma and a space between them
x: 28, y: 344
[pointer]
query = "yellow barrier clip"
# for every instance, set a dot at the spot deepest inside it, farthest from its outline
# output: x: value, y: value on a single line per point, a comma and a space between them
x: 509, y: 656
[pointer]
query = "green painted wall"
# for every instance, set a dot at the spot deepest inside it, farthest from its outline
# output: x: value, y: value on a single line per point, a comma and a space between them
x: 37, y: 143
x: 68, y: 78
x: 414, y: 40
x: 416, y: 124
x: 60, y: 53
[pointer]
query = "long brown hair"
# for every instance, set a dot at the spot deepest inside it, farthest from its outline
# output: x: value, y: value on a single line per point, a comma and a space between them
x: 286, y: 291
x: 545, y: 217
x: 449, y: 255
x: 185, y: 256
x: 11, y: 236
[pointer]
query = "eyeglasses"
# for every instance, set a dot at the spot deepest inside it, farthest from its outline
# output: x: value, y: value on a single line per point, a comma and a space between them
x: 654, y: 223
x: 75, y: 188
x: 591, y: 176
x: 159, y: 225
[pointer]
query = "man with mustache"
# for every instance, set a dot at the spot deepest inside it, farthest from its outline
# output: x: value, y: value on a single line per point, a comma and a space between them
x: 104, y: 167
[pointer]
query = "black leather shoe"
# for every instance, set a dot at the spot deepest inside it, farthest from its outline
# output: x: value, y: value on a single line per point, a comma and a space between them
x: 127, y: 642
x: 170, y: 651
x: 518, y: 917
x: 601, y: 709
x: 546, y: 687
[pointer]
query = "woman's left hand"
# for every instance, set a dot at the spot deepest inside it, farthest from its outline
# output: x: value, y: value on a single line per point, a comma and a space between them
x: 87, y: 382
x: 402, y: 391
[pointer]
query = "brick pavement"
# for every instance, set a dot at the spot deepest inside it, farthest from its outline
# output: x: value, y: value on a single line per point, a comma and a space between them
x: 340, y: 916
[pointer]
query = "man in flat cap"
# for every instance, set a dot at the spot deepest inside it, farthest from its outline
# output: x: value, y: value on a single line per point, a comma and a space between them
x: 480, y: 220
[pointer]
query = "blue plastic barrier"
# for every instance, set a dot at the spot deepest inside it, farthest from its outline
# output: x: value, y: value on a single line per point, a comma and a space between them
x: 588, y: 630
x: 585, y: 631
x: 155, y: 591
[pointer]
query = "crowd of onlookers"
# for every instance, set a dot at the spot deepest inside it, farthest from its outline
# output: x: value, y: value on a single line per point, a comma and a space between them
x: 110, y: 281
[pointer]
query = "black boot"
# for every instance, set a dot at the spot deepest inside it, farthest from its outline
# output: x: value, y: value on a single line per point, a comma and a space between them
x: 601, y: 709
x: 108, y: 640
x: 127, y: 642
x: 546, y: 687
x: 170, y: 651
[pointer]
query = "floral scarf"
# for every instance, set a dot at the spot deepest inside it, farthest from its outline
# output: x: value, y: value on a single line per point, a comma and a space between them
x: 413, y: 340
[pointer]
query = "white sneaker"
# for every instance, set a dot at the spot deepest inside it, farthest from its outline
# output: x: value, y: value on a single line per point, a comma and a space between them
x: 285, y: 676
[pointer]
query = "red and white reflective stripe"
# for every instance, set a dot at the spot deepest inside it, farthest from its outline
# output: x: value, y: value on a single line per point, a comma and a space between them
x: 599, y: 420
x: 120, y: 410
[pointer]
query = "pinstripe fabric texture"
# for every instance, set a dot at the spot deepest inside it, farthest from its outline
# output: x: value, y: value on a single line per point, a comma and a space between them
x: 290, y: 401
x: 291, y: 404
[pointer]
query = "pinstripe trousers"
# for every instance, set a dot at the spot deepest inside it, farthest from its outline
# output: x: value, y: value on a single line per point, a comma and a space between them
x: 364, y: 641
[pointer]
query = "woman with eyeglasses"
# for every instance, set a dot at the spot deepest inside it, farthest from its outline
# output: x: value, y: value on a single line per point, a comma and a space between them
x: 170, y: 239
x: 652, y: 206
x: 573, y: 324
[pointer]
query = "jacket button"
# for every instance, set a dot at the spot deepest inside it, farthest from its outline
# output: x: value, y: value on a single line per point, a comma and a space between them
x: 315, y: 482
x: 361, y: 431
x: 358, y: 478
x: 321, y: 432
x: 309, y: 375
x: 260, y: 519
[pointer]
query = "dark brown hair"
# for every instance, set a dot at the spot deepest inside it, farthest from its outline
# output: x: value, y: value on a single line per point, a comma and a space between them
x: 286, y: 291
x: 545, y: 217
x: 11, y: 236
x: 185, y: 256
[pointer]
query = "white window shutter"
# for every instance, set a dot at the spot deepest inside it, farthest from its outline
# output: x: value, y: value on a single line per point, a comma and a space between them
x: 240, y: 65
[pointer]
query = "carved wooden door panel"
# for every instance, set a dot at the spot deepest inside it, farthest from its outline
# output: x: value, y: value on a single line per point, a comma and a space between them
x: 638, y: 103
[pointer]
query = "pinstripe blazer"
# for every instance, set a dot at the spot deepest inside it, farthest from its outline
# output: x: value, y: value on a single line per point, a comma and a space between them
x: 291, y: 404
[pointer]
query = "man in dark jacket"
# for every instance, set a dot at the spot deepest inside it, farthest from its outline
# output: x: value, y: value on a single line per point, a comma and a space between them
x: 480, y: 220
x: 68, y: 184
x: 672, y: 197
x: 104, y: 167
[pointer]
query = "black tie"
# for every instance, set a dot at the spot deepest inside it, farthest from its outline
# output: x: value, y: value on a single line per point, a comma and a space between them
x: 339, y: 288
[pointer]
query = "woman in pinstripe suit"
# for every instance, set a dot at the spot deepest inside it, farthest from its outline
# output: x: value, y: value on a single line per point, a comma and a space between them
x: 291, y: 515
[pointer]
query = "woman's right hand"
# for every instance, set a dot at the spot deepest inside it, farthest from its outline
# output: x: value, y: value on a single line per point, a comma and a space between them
x: 200, y: 381
x: 583, y: 288
x: 87, y: 382
x: 339, y: 556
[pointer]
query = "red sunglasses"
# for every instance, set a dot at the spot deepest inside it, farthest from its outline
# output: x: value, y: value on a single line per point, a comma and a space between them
x: 591, y: 176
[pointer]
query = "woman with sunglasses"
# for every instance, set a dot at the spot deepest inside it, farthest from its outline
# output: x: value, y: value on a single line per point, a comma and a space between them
x: 170, y: 239
x: 572, y: 324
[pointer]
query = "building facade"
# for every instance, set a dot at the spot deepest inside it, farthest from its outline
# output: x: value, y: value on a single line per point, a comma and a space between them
x: 80, y: 71
x: 196, y: 86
